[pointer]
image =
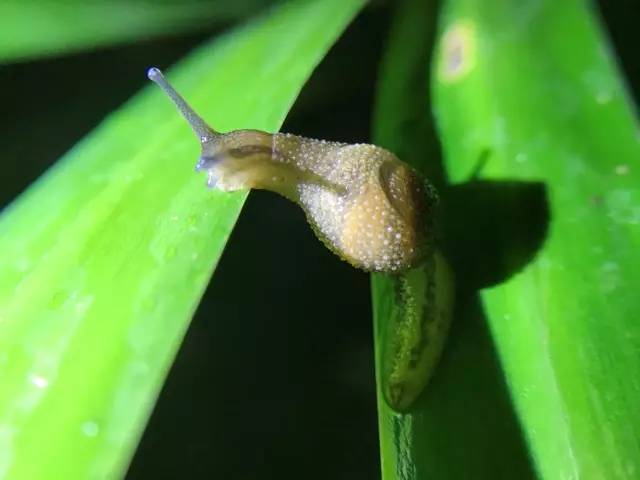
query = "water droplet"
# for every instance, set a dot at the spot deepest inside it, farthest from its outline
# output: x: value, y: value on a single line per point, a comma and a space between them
x: 38, y: 381
x: 603, y: 97
x: 90, y: 429
x: 621, y: 169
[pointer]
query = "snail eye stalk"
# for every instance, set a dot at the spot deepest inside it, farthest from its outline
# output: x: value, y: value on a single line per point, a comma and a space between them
x: 199, y: 126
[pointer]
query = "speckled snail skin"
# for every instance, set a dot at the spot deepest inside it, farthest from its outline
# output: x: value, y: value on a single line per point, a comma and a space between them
x: 365, y: 205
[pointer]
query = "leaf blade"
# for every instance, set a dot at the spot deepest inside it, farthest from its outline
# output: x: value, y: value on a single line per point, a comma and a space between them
x: 105, y: 257
x: 540, y: 91
x: 46, y: 28
x: 443, y: 426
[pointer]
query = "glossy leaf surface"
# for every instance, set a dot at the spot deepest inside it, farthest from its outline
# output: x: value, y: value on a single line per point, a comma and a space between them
x: 105, y: 257
x: 528, y: 97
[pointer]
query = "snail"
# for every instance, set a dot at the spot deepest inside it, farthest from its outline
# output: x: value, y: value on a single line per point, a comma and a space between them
x: 368, y: 207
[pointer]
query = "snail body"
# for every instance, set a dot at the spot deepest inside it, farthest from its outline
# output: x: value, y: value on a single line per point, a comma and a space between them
x: 415, y: 330
x: 364, y: 204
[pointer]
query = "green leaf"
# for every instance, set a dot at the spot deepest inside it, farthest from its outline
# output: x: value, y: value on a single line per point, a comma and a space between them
x: 462, y: 426
x: 527, y: 96
x: 45, y: 27
x: 104, y: 259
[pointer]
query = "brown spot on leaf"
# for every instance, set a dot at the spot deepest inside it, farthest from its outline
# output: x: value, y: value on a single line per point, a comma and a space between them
x: 458, y: 51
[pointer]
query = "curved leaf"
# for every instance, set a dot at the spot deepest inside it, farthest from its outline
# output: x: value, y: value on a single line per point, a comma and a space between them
x: 528, y: 93
x: 44, y: 27
x: 104, y: 259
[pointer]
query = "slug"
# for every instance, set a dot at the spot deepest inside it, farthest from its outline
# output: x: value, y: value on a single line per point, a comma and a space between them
x: 365, y: 205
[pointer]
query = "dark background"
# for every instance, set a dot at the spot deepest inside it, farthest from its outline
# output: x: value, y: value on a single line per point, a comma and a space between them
x: 288, y: 378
